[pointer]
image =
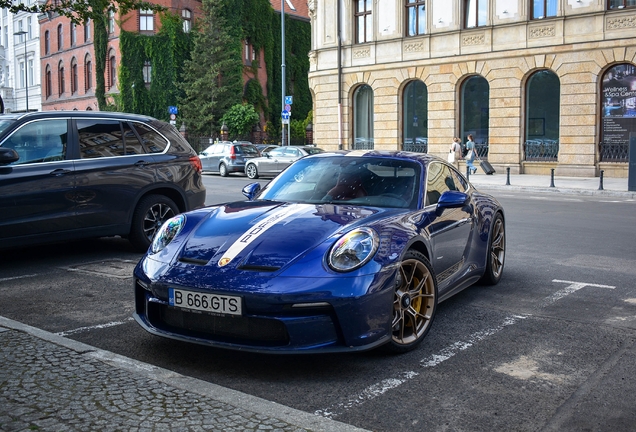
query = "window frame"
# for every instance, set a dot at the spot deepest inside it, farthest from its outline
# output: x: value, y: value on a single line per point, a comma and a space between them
x: 533, y: 4
x: 60, y: 37
x: 622, y: 6
x: 186, y: 16
x: 88, y: 73
x: 366, y: 16
x: 61, y: 84
x: 146, y: 21
x: 74, y: 76
x: 48, y: 82
x: 47, y: 42
x: 468, y: 5
x: 415, y: 5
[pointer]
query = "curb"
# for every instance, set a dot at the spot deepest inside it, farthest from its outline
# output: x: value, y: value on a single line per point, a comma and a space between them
x: 227, y: 396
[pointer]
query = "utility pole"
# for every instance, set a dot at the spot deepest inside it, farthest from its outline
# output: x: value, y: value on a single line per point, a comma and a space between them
x: 282, y: 95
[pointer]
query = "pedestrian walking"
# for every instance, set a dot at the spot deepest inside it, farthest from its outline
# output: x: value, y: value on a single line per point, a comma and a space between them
x: 455, y: 152
x: 470, y: 156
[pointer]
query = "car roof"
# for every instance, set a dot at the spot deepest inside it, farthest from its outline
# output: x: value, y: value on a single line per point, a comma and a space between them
x: 423, y: 158
x: 79, y: 114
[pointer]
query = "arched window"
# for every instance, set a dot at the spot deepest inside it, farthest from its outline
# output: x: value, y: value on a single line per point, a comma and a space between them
x: 415, y: 117
x: 112, y: 72
x: 60, y: 38
x: 48, y: 88
x: 74, y: 83
x: 363, y: 118
x: 186, y: 14
x: 474, y: 112
x: 543, y: 101
x: 88, y: 73
x: 618, y: 115
x: 47, y: 42
x: 87, y: 30
x: 61, y: 85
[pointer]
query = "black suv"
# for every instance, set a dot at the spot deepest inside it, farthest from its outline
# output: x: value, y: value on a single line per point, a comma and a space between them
x: 70, y: 175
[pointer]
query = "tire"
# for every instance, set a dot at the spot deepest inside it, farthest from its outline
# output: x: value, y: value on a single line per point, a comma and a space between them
x: 251, y: 171
x: 414, y: 304
x: 496, y: 252
x: 223, y: 170
x: 151, y: 212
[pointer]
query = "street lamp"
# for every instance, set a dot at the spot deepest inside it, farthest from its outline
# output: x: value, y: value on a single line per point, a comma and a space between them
x: 26, y: 77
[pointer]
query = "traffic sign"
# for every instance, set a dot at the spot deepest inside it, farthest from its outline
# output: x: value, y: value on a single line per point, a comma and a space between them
x: 289, y: 100
x: 287, y: 107
x: 173, y: 117
x: 285, y: 115
x: 173, y: 110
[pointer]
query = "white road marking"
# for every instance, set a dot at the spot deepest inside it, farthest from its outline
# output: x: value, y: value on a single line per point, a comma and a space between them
x: 98, y: 326
x: 17, y: 277
x: 378, y: 389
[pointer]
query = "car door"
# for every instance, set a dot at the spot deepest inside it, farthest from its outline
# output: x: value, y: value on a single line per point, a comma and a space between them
x: 291, y: 155
x: 112, y: 170
x: 36, y: 191
x: 450, y: 230
x: 269, y: 164
x: 206, y: 156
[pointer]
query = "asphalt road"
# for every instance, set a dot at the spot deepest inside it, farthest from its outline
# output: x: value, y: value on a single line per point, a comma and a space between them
x: 552, y: 347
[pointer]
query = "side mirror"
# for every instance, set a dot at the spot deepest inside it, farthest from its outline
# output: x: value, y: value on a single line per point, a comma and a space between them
x: 251, y: 190
x: 8, y: 155
x: 267, y: 155
x: 451, y: 199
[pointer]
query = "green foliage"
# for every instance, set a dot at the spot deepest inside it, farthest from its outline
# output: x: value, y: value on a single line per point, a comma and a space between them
x: 298, y: 127
x: 213, y: 78
x: 240, y: 119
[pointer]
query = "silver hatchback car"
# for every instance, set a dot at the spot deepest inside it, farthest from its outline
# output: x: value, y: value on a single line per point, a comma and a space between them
x: 227, y: 157
x: 277, y: 160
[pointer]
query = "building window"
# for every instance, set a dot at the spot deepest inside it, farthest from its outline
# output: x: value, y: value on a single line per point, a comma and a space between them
x: 543, y: 9
x: 147, y: 72
x: 87, y: 30
x: 363, y: 118
x: 73, y: 34
x: 111, y: 22
x: 88, y: 71
x: 415, y: 120
x: 621, y: 4
x: 47, y: 42
x: 60, y: 38
x: 112, y: 70
x: 146, y: 20
x: 48, y: 89
x: 22, y: 75
x: 74, y: 76
x: 543, y: 101
x: 474, y: 111
x: 29, y: 29
x: 186, y: 14
x: 364, y: 21
x: 415, y: 17
x: 476, y: 13
x: 20, y: 29
x: 31, y: 72
x: 61, y: 85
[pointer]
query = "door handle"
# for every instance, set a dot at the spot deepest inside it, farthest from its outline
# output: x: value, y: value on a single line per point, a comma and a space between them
x: 142, y: 163
x: 60, y: 172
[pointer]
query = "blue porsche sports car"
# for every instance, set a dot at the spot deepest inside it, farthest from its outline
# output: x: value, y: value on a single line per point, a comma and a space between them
x: 340, y: 252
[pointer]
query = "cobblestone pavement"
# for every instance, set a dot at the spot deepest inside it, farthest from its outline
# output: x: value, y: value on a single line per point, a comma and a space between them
x: 49, y: 383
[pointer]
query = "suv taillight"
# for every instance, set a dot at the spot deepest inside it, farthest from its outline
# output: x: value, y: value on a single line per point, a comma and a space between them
x: 196, y: 163
x: 232, y: 153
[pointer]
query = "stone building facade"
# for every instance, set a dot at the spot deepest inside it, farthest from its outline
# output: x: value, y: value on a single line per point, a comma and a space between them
x: 540, y: 84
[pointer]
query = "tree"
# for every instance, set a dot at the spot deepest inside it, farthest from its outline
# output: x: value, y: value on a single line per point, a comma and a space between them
x: 213, y: 78
x: 240, y: 119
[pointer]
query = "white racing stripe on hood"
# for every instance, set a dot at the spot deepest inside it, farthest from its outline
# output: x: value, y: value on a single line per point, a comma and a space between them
x: 255, y: 231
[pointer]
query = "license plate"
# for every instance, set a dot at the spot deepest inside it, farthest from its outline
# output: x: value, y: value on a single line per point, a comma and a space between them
x: 214, y: 303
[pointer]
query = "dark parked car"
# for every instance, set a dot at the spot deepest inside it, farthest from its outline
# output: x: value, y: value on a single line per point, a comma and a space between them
x: 275, y: 160
x: 227, y: 157
x: 70, y: 175
x: 340, y: 252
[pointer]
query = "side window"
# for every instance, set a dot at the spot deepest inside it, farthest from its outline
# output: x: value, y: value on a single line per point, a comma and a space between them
x: 439, y: 180
x: 131, y: 142
x: 151, y: 139
x: 277, y: 152
x: 460, y: 182
x: 39, y: 141
x: 217, y: 149
x: 291, y: 152
x: 100, y: 138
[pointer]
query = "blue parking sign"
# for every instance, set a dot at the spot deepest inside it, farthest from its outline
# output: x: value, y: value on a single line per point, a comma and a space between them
x: 289, y: 100
x: 173, y: 110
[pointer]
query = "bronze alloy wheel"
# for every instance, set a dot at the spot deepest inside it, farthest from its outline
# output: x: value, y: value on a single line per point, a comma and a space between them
x: 415, y: 302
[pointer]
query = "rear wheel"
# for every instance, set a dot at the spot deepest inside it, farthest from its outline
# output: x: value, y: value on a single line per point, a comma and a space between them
x: 414, y: 303
x: 496, y: 252
x: 251, y: 171
x: 151, y: 212
x: 223, y: 170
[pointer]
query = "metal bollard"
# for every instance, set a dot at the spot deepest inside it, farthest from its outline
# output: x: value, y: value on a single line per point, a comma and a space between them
x: 508, y: 176
x: 600, y: 186
x: 467, y: 173
x: 552, y: 177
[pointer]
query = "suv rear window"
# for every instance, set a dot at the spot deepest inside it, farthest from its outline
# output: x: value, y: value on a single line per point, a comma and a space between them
x: 152, y: 140
x: 248, y: 150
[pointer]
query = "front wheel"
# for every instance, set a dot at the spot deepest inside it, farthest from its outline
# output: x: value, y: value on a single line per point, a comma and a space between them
x: 251, y: 171
x: 496, y: 252
x: 151, y: 212
x: 223, y: 170
x: 414, y: 303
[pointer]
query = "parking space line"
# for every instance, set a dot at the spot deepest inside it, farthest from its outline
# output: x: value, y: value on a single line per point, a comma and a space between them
x: 98, y: 326
x: 378, y: 389
x: 17, y: 277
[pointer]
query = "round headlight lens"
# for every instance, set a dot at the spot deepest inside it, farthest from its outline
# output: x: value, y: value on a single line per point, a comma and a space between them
x: 168, y: 231
x: 353, y: 249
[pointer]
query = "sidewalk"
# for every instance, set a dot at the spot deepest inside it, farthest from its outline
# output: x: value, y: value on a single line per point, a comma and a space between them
x: 51, y: 383
x: 542, y: 183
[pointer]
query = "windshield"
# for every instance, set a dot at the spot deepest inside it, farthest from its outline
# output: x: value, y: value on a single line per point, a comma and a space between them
x: 366, y: 181
x: 4, y: 124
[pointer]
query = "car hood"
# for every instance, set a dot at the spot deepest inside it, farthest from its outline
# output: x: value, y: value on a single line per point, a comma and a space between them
x: 265, y: 235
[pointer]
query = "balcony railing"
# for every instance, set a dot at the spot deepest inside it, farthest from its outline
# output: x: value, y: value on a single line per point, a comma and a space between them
x: 363, y: 144
x: 417, y: 145
x: 541, y: 150
x: 614, y: 152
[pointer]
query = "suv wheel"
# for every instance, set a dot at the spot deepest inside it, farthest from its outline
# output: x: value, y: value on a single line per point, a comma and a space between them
x: 251, y: 171
x: 151, y: 212
x: 223, y: 170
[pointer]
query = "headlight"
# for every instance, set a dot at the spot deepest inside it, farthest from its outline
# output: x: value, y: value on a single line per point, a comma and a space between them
x: 353, y: 249
x: 168, y: 231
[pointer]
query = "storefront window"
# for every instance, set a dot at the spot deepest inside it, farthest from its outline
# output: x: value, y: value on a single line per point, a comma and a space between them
x: 363, y: 118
